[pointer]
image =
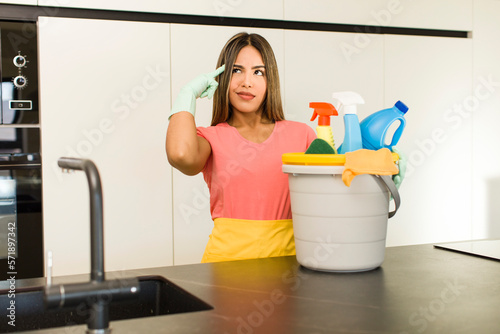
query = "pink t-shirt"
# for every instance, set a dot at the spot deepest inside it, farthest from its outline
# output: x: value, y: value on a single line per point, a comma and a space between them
x: 245, y: 179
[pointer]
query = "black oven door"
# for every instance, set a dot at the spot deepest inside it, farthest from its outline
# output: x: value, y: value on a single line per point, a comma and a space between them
x: 21, y: 228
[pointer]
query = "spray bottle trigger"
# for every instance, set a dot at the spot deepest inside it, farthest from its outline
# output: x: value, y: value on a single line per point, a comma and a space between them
x: 315, y: 114
x: 324, y: 110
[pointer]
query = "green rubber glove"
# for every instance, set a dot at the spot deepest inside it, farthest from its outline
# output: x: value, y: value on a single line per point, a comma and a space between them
x: 398, y: 178
x: 202, y: 86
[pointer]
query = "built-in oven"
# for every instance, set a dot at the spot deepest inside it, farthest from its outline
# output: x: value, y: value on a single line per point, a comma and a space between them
x: 21, y: 225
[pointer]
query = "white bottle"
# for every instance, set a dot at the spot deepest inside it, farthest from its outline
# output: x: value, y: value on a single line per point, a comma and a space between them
x: 347, y: 102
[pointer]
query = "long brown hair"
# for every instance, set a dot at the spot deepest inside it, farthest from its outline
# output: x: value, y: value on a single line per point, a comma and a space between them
x: 272, y: 108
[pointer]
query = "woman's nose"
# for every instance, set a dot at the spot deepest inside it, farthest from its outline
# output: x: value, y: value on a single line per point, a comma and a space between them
x: 247, y: 80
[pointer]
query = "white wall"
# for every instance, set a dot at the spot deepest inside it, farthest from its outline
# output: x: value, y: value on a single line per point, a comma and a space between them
x: 484, y: 112
x: 436, y: 193
x: 451, y: 186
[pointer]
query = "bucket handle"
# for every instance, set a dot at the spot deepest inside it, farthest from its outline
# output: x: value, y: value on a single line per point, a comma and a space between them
x: 387, y: 180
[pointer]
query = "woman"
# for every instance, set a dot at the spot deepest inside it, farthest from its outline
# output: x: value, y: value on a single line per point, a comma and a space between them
x: 240, y: 153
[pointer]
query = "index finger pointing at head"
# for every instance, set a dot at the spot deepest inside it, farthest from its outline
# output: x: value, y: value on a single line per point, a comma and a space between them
x: 218, y: 71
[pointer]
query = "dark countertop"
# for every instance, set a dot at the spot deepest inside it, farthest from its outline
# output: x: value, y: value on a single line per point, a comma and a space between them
x: 418, y: 289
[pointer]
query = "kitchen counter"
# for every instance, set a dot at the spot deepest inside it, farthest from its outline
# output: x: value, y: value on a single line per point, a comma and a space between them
x: 418, y: 289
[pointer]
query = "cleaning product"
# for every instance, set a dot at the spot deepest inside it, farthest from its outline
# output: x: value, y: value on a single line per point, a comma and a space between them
x: 374, y: 127
x: 352, y: 136
x: 324, y: 110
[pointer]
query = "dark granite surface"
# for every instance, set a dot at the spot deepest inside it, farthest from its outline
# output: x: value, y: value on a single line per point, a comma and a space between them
x: 418, y: 289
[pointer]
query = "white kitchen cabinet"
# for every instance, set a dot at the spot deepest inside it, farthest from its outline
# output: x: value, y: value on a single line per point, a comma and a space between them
x: 264, y: 9
x: 433, y: 77
x: 486, y: 120
x: 430, y: 14
x: 105, y: 96
x: 192, y: 221
x: 318, y: 64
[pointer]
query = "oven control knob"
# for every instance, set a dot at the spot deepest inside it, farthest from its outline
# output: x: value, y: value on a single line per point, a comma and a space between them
x: 19, y: 61
x: 20, y: 81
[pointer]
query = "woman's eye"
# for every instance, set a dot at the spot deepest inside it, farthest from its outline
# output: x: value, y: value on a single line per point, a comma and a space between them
x: 236, y: 70
x: 259, y: 72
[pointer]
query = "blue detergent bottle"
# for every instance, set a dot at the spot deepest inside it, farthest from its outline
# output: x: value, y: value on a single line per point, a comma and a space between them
x: 374, y: 127
x: 347, y: 101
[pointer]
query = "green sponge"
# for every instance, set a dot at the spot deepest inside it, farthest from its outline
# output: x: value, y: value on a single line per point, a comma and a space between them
x: 320, y: 146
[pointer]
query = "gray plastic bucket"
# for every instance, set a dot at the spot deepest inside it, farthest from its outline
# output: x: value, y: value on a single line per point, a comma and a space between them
x: 339, y: 228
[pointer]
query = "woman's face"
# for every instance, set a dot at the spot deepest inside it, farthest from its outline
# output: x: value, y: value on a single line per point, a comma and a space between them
x: 248, y: 85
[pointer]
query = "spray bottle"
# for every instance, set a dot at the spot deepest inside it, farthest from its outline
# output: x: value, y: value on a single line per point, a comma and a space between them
x: 374, y: 127
x: 352, y: 137
x: 324, y: 111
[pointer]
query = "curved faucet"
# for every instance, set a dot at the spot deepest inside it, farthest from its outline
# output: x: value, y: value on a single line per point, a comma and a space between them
x: 96, y: 213
x: 98, y: 292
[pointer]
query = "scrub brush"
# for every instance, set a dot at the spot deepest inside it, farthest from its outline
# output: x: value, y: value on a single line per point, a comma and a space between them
x: 320, y: 146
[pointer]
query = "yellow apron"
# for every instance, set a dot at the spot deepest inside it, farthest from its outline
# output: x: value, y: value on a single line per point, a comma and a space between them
x: 240, y: 239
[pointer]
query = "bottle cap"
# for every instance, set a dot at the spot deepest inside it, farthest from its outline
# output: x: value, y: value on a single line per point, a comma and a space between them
x: 401, y: 106
x: 324, y: 110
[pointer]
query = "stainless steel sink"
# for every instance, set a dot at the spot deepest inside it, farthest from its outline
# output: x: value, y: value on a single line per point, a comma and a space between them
x: 157, y: 297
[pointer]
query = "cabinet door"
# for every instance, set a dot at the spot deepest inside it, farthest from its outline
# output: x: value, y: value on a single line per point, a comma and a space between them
x: 427, y: 14
x: 321, y: 63
x: 433, y: 77
x: 266, y: 9
x: 105, y: 96
x: 192, y: 220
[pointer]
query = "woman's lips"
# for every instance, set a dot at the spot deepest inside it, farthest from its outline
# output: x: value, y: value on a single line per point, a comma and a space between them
x: 245, y: 95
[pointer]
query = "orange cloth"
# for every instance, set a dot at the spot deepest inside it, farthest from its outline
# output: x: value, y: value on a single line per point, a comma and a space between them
x: 368, y: 162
